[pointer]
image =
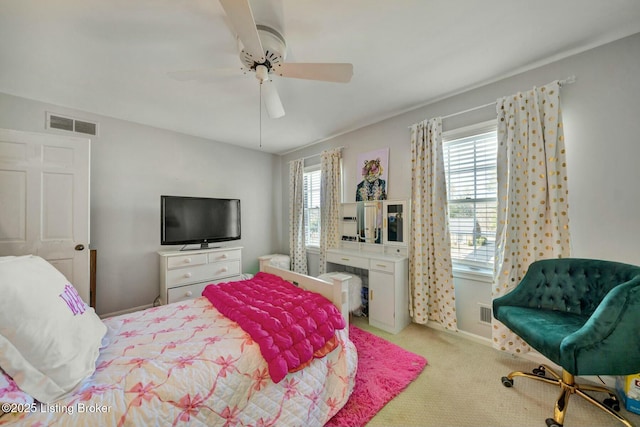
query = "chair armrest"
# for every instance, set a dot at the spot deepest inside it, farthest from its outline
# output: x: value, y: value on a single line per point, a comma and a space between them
x: 609, y: 342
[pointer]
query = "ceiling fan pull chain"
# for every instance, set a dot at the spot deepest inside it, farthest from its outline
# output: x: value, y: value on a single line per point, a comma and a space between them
x: 260, y: 106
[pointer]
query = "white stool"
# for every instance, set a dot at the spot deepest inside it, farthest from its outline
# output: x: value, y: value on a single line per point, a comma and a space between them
x: 277, y: 260
x: 355, y: 288
x: 281, y: 261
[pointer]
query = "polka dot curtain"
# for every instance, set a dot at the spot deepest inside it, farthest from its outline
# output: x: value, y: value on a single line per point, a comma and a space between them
x: 430, y: 271
x: 297, y: 247
x: 330, y: 182
x: 533, y: 220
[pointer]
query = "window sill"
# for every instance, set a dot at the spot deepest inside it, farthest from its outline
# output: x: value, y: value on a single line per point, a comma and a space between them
x: 480, y: 274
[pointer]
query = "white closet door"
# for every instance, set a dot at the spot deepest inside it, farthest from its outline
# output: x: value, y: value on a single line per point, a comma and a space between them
x: 44, y: 201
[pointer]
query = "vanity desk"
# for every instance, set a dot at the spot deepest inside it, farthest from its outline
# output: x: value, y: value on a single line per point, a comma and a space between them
x: 375, y: 243
x: 388, y: 285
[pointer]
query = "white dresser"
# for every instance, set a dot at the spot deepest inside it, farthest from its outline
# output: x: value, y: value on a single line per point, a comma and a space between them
x: 185, y: 274
x: 388, y: 285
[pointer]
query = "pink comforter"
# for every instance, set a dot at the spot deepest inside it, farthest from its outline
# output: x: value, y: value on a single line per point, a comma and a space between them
x: 288, y: 323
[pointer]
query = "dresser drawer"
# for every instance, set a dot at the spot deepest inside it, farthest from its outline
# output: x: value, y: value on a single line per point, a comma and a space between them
x: 224, y: 255
x: 351, y: 261
x: 213, y: 271
x: 185, y: 292
x: 186, y: 260
x: 382, y: 265
x: 182, y: 293
x: 224, y: 269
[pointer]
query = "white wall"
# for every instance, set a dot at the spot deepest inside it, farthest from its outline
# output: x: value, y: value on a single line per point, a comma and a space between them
x: 131, y: 166
x: 602, y: 133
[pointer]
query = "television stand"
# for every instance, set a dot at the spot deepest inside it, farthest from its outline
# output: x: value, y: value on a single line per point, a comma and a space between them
x: 185, y: 275
x: 202, y: 246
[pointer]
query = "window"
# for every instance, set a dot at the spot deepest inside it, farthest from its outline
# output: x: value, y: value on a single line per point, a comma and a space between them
x: 312, y: 207
x: 470, y: 168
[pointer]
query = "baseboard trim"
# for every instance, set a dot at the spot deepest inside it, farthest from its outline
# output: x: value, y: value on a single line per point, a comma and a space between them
x: 127, y: 311
x: 532, y: 356
x: 465, y: 334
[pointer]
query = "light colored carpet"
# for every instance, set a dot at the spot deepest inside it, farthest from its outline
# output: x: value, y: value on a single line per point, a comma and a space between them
x: 460, y: 386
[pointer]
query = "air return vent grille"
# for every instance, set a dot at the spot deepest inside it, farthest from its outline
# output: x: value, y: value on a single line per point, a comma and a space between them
x: 56, y: 121
x: 485, y: 314
x: 86, y: 127
x: 62, y: 123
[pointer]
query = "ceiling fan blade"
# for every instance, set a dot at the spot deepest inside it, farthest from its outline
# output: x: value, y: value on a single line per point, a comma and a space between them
x: 336, y: 72
x: 271, y: 100
x: 241, y: 17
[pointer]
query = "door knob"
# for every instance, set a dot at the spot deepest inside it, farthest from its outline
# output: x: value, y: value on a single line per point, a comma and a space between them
x: 79, y: 247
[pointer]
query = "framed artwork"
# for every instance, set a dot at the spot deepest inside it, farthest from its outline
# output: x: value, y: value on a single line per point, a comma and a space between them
x: 373, y: 170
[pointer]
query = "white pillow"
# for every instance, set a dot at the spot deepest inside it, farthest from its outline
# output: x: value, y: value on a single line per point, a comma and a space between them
x: 49, y: 338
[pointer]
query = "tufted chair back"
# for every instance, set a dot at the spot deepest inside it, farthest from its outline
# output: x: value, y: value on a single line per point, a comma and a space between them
x: 575, y: 285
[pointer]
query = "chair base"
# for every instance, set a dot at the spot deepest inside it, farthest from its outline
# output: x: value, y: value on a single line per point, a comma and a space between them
x: 568, y: 386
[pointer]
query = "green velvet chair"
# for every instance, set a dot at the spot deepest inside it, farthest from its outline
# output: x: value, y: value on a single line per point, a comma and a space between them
x: 583, y: 315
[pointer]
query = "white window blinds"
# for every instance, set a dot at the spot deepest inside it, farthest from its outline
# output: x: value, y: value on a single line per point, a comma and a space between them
x: 470, y: 168
x: 312, y: 207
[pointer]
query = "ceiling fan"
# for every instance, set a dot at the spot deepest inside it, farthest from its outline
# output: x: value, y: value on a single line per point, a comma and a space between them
x: 263, y: 50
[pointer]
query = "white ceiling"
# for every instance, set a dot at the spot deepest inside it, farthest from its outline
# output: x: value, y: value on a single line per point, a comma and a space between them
x: 112, y: 57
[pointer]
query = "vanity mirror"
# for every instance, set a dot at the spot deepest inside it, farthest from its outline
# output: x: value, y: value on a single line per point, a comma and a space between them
x: 370, y: 221
x: 375, y: 222
x: 396, y: 222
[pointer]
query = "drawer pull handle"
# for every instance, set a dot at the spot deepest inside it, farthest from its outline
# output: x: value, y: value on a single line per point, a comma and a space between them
x: 380, y: 265
x: 223, y: 256
x: 187, y: 260
x: 224, y: 270
x: 188, y: 294
x: 187, y: 275
x: 370, y: 295
x: 344, y: 259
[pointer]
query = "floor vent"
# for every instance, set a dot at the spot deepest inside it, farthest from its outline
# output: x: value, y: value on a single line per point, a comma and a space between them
x: 485, y: 314
x: 56, y: 121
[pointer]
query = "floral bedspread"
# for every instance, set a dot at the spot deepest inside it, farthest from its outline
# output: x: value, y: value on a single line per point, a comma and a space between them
x: 187, y: 364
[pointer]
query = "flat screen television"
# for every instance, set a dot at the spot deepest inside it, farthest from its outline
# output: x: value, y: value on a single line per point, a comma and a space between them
x: 198, y: 220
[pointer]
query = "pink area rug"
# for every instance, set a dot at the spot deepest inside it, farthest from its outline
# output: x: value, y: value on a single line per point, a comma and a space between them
x: 384, y: 370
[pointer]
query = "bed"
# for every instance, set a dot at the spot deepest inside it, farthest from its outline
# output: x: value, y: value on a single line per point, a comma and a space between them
x: 179, y: 364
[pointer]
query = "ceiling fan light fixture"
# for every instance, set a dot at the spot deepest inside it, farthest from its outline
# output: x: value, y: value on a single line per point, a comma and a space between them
x: 262, y: 73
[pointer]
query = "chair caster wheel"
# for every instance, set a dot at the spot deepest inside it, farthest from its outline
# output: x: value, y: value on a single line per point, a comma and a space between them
x: 540, y: 371
x: 507, y: 382
x: 552, y: 423
x: 612, y: 403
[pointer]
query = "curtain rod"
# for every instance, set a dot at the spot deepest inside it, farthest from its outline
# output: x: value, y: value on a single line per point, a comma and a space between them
x: 315, y: 155
x: 569, y: 80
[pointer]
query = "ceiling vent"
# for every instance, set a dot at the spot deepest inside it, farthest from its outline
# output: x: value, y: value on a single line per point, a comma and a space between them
x: 56, y: 121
